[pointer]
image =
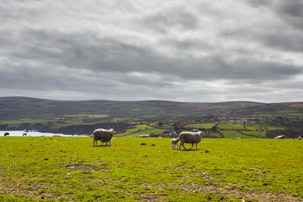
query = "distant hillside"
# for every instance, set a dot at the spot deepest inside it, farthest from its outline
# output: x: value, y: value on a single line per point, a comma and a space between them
x: 24, y: 107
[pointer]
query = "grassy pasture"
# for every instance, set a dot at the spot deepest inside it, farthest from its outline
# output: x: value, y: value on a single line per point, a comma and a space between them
x: 233, y: 134
x: 260, y: 134
x: 202, y: 125
x: 87, y: 115
x: 231, y: 126
x: 69, y: 168
x: 139, y: 130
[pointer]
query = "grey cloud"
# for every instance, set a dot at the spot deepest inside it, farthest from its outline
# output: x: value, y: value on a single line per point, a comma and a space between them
x: 290, y: 11
x: 175, y: 17
x: 293, y: 8
x: 175, y: 51
x: 81, y: 51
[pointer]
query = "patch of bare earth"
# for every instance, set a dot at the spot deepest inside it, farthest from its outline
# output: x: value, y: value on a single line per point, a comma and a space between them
x: 19, y: 187
x: 228, y: 191
x: 86, y: 168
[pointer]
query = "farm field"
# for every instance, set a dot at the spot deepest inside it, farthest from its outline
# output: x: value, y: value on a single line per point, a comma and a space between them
x: 233, y: 134
x: 202, y: 125
x: 140, y: 130
x: 70, y: 168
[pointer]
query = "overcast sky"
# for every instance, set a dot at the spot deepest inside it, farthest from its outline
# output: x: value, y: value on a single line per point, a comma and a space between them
x: 193, y: 50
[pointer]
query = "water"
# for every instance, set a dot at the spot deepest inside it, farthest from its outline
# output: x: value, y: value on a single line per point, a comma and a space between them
x: 37, y: 134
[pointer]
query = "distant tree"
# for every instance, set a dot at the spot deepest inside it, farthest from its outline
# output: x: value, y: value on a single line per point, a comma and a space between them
x: 244, y: 125
x: 214, y: 129
x: 177, y: 127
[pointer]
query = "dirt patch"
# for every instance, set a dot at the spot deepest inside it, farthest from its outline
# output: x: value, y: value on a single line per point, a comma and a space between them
x: 149, y: 198
x: 227, y: 190
x: 86, y: 168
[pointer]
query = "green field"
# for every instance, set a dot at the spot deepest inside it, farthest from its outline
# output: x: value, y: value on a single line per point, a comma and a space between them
x: 256, y: 127
x: 71, y: 169
x: 87, y: 115
x: 259, y: 134
x: 139, y: 130
x: 231, y: 126
x: 202, y: 125
x: 233, y: 134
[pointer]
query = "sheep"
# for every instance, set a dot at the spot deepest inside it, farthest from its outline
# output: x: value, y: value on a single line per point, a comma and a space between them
x: 6, y: 134
x: 299, y: 138
x: 143, y: 136
x: 25, y: 134
x: 280, y: 137
x: 174, y: 143
x: 103, y: 135
x: 190, y: 137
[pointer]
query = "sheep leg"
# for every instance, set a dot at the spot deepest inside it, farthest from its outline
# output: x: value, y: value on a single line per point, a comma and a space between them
x: 182, y: 144
x: 192, y: 144
x: 196, y: 146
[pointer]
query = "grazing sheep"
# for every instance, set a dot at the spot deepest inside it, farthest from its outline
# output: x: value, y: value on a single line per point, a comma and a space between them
x: 190, y: 137
x: 103, y: 135
x: 143, y: 136
x: 174, y: 143
x: 299, y: 138
x: 280, y: 137
x: 6, y: 134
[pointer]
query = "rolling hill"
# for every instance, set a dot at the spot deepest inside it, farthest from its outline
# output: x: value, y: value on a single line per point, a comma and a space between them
x: 12, y: 108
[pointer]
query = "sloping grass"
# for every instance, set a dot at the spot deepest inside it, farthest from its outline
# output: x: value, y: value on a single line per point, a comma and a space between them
x: 139, y: 130
x: 70, y: 169
x: 263, y: 127
x: 232, y: 134
x: 87, y: 115
x: 202, y: 125
x: 259, y: 134
x: 231, y: 126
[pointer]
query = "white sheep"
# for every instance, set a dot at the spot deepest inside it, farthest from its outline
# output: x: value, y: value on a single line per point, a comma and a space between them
x: 143, y: 136
x: 190, y: 137
x: 103, y: 135
x: 299, y: 138
x: 280, y: 137
x: 174, y: 143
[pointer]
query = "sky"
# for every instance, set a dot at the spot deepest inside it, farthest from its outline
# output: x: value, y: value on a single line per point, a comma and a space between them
x: 189, y: 51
